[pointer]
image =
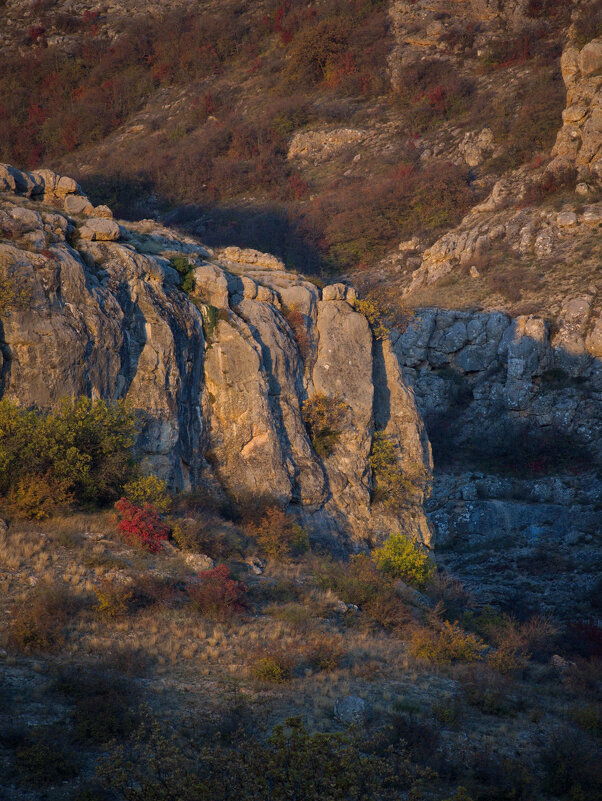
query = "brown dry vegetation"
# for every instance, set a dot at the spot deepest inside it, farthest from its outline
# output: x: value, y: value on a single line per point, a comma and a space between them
x: 109, y: 636
x: 205, y: 118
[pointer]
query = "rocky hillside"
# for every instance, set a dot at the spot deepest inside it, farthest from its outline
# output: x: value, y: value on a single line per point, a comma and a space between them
x: 441, y: 157
x: 287, y: 126
x: 226, y: 376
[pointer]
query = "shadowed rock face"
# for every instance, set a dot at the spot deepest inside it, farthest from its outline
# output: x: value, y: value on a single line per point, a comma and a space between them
x: 217, y: 376
x: 514, y: 414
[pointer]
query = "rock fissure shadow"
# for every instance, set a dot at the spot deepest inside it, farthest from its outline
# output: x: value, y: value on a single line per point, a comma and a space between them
x: 381, y: 403
x: 7, y: 358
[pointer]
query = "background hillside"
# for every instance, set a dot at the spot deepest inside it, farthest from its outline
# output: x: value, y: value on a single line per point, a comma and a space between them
x: 327, y: 133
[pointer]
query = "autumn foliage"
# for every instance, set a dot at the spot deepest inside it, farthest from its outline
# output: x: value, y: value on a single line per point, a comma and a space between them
x: 141, y: 525
x: 218, y: 594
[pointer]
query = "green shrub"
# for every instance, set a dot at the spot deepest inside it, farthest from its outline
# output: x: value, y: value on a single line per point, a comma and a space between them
x: 374, y: 314
x: 82, y: 448
x: 113, y: 600
x: 401, y: 558
x: 589, y: 718
x: 207, y: 535
x: 324, y: 417
x: 102, y: 702
x: 36, y: 497
x: 46, y: 761
x: 571, y: 765
x: 186, y: 272
x: 357, y: 582
x: 276, y: 668
x: 361, y: 583
x: 148, y: 489
x: 210, y: 317
x: 289, y: 765
x: 395, y: 487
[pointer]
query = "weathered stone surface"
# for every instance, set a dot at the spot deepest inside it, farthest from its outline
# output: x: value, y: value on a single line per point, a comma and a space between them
x: 318, y: 146
x: 350, y: 709
x: 7, y: 179
x: 281, y: 364
x: 593, y: 340
x: 476, y: 145
x: 343, y: 370
x: 66, y: 186
x: 245, y: 447
x: 198, y: 561
x: 253, y: 258
x: 111, y: 321
x: 211, y: 285
x: 509, y: 379
x: 78, y: 204
x: 100, y: 229
x: 338, y: 292
x: 29, y: 219
x: 590, y: 57
x: 579, y: 141
x: 101, y: 211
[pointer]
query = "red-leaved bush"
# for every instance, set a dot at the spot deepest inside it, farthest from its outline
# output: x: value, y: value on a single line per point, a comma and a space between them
x: 218, y: 594
x: 141, y: 526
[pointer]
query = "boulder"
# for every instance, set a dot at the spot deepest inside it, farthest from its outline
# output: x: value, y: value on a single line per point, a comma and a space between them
x: 99, y: 229
x: 590, y: 57
x: 78, y: 204
x: 101, y: 211
x: 211, y: 285
x: 7, y: 179
x: 339, y: 292
x: 66, y: 186
x: 198, y: 561
x: 350, y: 710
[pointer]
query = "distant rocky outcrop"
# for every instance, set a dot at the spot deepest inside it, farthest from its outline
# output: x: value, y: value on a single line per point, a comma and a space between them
x: 514, y: 412
x: 579, y: 141
x: 218, y: 375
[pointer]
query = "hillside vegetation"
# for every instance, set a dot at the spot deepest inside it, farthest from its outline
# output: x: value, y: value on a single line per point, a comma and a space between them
x: 201, y: 105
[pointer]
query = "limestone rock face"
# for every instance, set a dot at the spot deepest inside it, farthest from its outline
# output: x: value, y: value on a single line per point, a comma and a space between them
x: 218, y: 377
x: 100, y: 229
x: 343, y: 369
x: 579, y: 141
x: 514, y: 413
x: 317, y: 146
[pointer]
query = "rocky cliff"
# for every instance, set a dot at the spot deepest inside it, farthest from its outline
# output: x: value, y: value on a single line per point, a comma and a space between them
x: 514, y: 412
x: 512, y: 401
x: 219, y: 373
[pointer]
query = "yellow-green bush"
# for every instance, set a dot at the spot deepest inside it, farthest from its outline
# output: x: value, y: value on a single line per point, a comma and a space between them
x: 374, y: 314
x: 113, y: 600
x: 83, y: 449
x: 446, y: 643
x: 38, y: 496
x: 401, y: 558
x: 148, y: 489
x: 278, y: 536
x: 395, y: 487
x: 274, y: 668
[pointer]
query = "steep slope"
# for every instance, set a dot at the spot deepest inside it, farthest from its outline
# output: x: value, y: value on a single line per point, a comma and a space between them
x: 91, y: 306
